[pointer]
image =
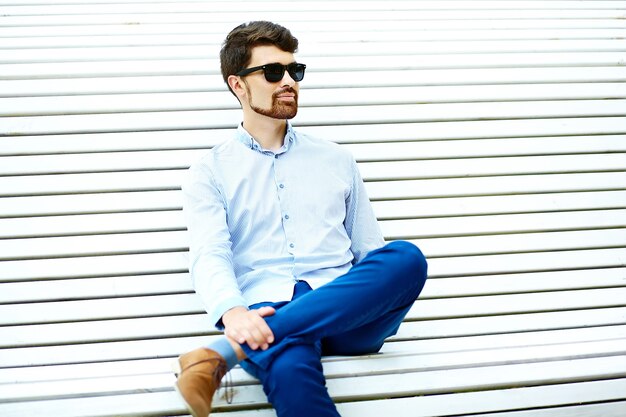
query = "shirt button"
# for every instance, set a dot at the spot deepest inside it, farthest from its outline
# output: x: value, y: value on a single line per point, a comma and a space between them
x: 291, y: 245
x: 286, y: 217
x: 282, y: 186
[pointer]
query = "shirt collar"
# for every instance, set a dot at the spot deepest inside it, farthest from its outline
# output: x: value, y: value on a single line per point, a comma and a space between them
x: 247, y: 140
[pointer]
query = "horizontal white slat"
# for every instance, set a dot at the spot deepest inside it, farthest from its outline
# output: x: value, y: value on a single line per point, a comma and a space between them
x: 372, y: 171
x: 287, y: 17
x: 204, y: 119
x: 312, y: 28
x: 369, y: 63
x: 171, y: 180
x: 171, y: 347
x: 52, y: 37
x: 198, y: 324
x: 496, y: 185
x: 334, y: 369
x: 551, y: 131
x: 467, y: 326
x: 66, y: 290
x: 92, y: 288
x: 134, y: 6
x: 19, y: 56
x: 610, y: 409
x: 323, y: 97
x: 156, y: 217
x: 74, y: 206
x: 190, y: 83
x: 132, y: 307
x: 333, y: 366
x: 439, y: 267
x: 417, y: 406
x: 440, y: 235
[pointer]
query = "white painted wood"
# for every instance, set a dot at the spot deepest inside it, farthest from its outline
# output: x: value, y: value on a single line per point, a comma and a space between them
x: 28, y: 106
x: 108, y: 287
x: 412, y: 62
x: 51, y: 37
x: 489, y: 133
x: 314, y: 80
x: 202, y: 119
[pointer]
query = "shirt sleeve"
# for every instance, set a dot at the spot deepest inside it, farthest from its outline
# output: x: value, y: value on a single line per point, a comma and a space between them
x: 210, y: 255
x: 361, y: 223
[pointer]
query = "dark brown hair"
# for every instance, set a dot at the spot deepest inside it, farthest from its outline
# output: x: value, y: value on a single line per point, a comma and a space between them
x: 237, y: 48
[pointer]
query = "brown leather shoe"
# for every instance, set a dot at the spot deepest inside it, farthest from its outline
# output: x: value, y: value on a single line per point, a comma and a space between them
x: 199, y: 374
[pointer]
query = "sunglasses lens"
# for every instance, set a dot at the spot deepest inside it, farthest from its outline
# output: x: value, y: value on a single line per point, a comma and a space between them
x: 296, y: 71
x: 274, y: 72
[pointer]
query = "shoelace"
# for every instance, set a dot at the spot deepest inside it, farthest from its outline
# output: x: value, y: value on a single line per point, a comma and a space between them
x: 221, y: 374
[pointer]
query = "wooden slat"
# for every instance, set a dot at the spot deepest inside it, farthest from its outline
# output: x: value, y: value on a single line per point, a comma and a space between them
x: 385, y: 170
x: 379, y: 366
x: 198, y: 324
x: 135, y: 6
x: 433, y: 309
x: 170, y: 347
x: 201, y: 119
x: 137, y: 241
x: 78, y: 54
x: 109, y: 103
x: 293, y: 16
x: 209, y: 66
x: 79, y: 207
x: 314, y: 80
x: 51, y: 37
x: 143, y: 285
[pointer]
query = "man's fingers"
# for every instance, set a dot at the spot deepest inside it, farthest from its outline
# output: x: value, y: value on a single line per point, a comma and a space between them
x: 266, y: 311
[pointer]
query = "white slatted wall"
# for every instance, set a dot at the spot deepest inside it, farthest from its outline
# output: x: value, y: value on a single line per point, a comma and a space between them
x: 491, y: 133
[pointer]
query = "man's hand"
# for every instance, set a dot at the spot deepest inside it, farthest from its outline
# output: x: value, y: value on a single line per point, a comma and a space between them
x: 247, y: 326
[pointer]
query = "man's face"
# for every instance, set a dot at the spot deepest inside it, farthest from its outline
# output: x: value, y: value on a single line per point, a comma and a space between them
x: 276, y: 100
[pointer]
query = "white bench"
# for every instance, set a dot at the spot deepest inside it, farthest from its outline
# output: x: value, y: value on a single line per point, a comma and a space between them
x: 492, y: 134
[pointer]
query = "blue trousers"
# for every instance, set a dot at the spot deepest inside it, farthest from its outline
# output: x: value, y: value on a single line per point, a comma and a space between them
x: 352, y: 315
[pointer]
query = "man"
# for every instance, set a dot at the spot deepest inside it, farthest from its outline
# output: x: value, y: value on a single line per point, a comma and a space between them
x: 285, y: 250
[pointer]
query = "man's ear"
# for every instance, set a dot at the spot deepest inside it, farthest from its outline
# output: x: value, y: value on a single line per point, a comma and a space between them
x: 236, y: 85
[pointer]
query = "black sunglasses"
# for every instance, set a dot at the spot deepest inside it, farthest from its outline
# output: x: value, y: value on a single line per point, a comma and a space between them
x: 275, y: 72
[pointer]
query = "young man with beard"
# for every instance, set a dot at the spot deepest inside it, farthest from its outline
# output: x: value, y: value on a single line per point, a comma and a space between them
x: 285, y: 252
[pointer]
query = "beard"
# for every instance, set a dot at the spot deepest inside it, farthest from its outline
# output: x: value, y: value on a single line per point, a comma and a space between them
x: 279, y: 109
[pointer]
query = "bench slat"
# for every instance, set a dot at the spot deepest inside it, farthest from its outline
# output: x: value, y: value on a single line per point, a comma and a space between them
x: 432, y: 309
x: 418, y: 230
x: 94, y: 353
x: 118, y: 103
x: 198, y: 324
x: 71, y: 211
x: 52, y: 37
x: 107, y: 287
x: 314, y: 80
x: 409, y: 62
x: 312, y: 49
x: 365, y: 367
x: 347, y: 115
x: 373, y: 171
x: 176, y: 262
x: 422, y: 406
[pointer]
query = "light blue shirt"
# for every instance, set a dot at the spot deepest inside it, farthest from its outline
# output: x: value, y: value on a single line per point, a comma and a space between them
x: 259, y: 221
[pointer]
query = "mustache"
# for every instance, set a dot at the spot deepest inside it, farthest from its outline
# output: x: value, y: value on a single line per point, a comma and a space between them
x: 286, y: 90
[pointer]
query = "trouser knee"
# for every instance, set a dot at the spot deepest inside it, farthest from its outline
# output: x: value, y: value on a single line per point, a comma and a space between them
x: 408, y: 262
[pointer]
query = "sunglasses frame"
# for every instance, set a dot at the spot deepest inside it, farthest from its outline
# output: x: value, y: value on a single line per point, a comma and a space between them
x: 290, y: 68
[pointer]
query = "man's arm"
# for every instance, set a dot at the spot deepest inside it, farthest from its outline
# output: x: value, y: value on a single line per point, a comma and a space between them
x: 211, y: 264
x: 361, y: 223
x: 211, y: 258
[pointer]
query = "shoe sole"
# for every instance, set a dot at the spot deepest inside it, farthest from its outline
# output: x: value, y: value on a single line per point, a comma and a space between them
x: 177, y: 371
